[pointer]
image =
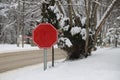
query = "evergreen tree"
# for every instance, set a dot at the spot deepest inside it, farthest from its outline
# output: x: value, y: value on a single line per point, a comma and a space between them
x: 48, y: 14
x: 71, y: 37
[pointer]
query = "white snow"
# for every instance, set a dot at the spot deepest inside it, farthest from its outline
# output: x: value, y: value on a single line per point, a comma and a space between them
x: 14, y: 5
x: 118, y: 17
x: 6, y: 48
x: 83, y: 20
x: 58, y: 16
x: 104, y: 64
x: 3, y: 12
x: 44, y: 1
x: 66, y: 42
x: 56, y: 10
x: 51, y: 7
x: 58, y: 13
x: 66, y: 28
x: 62, y: 22
x: 75, y: 30
x: 83, y: 33
x: 6, y: 7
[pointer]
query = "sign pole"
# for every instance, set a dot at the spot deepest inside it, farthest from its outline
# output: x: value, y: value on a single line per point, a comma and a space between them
x: 45, y: 58
x: 52, y: 56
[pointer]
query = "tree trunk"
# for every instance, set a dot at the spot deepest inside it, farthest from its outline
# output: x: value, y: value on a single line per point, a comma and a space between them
x: 60, y: 7
x: 23, y: 25
x: 18, y: 24
x: 87, y: 6
x: 70, y: 12
x: 77, y: 19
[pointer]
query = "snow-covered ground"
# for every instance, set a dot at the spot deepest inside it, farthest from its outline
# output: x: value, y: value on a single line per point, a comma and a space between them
x: 104, y: 64
x: 5, y: 48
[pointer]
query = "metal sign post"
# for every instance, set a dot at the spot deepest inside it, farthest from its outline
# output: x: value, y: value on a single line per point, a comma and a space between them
x: 45, y: 58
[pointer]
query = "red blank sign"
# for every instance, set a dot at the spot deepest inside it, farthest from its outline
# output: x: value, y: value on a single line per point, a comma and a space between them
x: 45, y: 35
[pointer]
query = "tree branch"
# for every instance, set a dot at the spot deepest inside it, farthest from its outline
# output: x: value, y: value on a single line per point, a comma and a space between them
x: 103, y: 19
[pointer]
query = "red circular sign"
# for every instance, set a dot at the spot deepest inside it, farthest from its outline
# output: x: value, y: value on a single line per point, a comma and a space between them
x: 45, y: 35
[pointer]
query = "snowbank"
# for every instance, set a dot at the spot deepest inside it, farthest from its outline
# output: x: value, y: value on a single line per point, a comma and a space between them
x: 6, y: 48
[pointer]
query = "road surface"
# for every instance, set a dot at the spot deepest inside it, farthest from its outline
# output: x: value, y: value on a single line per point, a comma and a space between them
x: 13, y: 60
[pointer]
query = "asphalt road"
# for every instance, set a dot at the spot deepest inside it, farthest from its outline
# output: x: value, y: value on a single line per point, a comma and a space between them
x: 13, y: 60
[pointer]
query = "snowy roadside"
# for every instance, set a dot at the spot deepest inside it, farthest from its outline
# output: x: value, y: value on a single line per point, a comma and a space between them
x: 6, y: 48
x: 104, y: 64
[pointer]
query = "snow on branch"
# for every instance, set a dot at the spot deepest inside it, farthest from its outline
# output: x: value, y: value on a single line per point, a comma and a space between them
x: 45, y: 1
x: 32, y: 3
x: 75, y: 30
x: 31, y: 10
x: 10, y: 24
x: 118, y: 18
x: 7, y: 26
x: 64, y: 42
